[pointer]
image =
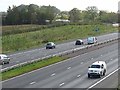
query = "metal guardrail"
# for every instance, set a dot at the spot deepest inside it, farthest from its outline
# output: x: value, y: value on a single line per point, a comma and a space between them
x: 58, y: 54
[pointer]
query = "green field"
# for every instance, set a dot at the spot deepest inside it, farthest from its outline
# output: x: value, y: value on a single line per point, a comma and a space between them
x: 22, y: 41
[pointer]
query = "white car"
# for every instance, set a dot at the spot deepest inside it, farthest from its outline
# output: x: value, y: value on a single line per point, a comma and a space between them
x: 91, y: 40
x: 50, y: 45
x: 4, y: 59
x: 98, y: 68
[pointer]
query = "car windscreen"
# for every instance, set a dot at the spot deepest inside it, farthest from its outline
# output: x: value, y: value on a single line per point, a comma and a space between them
x: 95, y: 66
x: 90, y: 39
x: 49, y: 44
x: 77, y: 41
x: 5, y: 57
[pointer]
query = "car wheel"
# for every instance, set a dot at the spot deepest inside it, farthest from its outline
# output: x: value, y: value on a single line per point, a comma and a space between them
x: 3, y: 63
x: 104, y: 72
x: 88, y: 75
x: 7, y: 62
x: 99, y: 76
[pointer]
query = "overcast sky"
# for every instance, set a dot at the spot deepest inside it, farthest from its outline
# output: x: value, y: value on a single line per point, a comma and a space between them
x: 65, y: 5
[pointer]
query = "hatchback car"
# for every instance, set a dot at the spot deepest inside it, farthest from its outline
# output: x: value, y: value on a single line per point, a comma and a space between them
x: 79, y: 42
x: 50, y: 45
x: 4, y: 59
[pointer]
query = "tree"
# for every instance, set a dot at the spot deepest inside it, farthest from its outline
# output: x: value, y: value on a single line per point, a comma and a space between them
x: 74, y: 15
x: 51, y: 12
x: 62, y: 15
x: 9, y: 17
x: 32, y: 13
x: 107, y: 17
x: 91, y: 13
x: 47, y: 13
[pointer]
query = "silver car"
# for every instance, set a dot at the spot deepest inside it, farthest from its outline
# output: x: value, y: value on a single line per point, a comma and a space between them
x: 4, y: 59
x: 50, y: 45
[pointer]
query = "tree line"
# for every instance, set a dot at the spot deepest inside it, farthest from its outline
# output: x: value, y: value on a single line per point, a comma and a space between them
x: 34, y: 14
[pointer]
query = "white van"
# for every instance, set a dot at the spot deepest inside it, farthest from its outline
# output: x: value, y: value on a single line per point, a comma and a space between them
x: 91, y: 40
x: 98, y: 68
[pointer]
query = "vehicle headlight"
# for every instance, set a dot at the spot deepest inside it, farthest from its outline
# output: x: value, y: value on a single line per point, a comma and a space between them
x: 90, y: 71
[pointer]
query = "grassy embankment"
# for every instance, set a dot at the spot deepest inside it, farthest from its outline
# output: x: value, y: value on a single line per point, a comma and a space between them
x: 22, y: 41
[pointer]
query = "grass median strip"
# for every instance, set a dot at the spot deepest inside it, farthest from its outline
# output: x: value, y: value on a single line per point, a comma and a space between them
x: 30, y: 67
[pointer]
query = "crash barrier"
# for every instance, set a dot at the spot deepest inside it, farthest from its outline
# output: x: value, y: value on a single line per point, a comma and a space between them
x: 58, y: 54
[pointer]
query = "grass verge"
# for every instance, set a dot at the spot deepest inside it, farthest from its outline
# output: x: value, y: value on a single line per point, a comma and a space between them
x: 23, y: 41
x: 30, y: 67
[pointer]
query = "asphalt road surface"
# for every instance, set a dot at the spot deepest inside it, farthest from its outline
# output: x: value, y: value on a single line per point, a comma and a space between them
x: 20, y: 57
x: 71, y: 73
x: 107, y: 82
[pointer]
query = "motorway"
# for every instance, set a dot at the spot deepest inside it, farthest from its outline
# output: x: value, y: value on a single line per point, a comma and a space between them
x: 71, y: 73
x: 110, y: 82
x: 28, y: 55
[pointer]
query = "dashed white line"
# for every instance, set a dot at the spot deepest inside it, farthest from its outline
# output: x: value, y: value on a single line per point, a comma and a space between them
x: 78, y: 76
x: 17, y: 61
x: 91, y: 58
x: 53, y: 74
x: 32, y: 83
x: 101, y: 55
x: 69, y: 68
x: 81, y: 63
x: 61, y: 84
x: 23, y: 52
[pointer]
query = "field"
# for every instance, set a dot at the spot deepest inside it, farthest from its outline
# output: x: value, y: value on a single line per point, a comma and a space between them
x: 33, y: 39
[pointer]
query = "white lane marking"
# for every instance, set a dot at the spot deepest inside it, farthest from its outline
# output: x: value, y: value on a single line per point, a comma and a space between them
x: 32, y: 83
x: 41, y: 68
x: 78, y: 76
x: 81, y: 63
x: 24, y: 52
x: 17, y: 61
x: 102, y: 79
x: 101, y: 55
x: 69, y: 68
x: 111, y: 59
x: 53, y: 74
x: 61, y: 84
x: 91, y: 58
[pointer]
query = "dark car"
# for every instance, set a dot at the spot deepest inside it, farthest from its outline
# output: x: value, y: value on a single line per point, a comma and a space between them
x: 50, y: 45
x: 79, y: 42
